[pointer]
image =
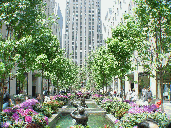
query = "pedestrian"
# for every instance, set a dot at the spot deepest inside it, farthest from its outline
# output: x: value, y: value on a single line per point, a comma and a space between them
x: 128, y: 95
x: 6, y: 98
x: 115, y: 93
x: 149, y: 95
x: 133, y: 95
x: 38, y: 97
x: 45, y: 93
x: 143, y: 93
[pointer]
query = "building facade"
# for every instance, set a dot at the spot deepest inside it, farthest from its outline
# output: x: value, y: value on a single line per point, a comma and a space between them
x: 53, y: 8
x: 115, y: 15
x: 83, y: 29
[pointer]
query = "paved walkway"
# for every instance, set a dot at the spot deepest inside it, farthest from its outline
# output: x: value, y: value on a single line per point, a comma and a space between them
x: 167, y: 108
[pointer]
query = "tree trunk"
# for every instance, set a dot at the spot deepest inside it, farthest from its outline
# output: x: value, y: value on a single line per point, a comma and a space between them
x: 9, y: 85
x: 57, y: 88
x: 106, y: 88
x: 122, y: 90
x: 42, y: 87
x: 48, y: 86
x: 1, y: 96
x: 161, y: 85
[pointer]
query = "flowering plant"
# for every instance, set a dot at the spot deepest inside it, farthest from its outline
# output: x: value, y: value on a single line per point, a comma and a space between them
x: 47, y: 99
x: 95, y: 96
x: 71, y: 95
x: 19, y: 97
x: 21, y: 117
x: 61, y: 98
x: 54, y: 105
x: 132, y: 120
x: 144, y: 108
x: 43, y: 109
x: 27, y: 104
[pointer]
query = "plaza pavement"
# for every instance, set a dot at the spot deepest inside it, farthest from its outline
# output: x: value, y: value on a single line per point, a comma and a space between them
x: 167, y: 108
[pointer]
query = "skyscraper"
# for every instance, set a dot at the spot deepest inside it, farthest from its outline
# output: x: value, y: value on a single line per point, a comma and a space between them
x: 53, y: 8
x: 83, y: 29
x: 115, y: 15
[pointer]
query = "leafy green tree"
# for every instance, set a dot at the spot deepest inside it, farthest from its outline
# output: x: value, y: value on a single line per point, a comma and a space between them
x: 102, y: 66
x: 126, y: 38
x: 20, y: 19
x: 154, y: 17
x: 28, y: 38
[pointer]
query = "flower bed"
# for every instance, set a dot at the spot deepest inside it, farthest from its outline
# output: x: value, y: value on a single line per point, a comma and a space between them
x: 129, y: 114
x: 71, y: 96
x: 23, y: 115
x: 61, y: 98
x: 132, y: 120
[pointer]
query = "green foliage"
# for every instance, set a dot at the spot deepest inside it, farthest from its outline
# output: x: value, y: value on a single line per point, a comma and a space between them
x: 117, y: 108
x: 43, y: 109
x: 101, y: 67
x: 154, y: 17
x: 28, y: 36
x: 126, y: 38
x: 130, y: 120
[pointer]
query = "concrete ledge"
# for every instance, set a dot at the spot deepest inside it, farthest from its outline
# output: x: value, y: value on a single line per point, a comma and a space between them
x: 52, y: 121
x: 111, y: 118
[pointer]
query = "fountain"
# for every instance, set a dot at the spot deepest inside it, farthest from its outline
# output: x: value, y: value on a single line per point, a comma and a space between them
x: 80, y: 115
x: 86, y: 114
x: 83, y: 104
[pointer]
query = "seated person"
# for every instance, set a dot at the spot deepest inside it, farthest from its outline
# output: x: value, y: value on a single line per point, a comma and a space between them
x: 6, y: 98
x: 148, y: 123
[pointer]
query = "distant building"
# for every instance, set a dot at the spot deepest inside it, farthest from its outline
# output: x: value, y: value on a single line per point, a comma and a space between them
x: 83, y: 29
x: 115, y: 15
x: 53, y: 8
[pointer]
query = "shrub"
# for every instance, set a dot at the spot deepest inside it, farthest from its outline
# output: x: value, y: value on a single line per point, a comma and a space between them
x: 131, y: 120
x: 20, y: 117
x: 54, y: 105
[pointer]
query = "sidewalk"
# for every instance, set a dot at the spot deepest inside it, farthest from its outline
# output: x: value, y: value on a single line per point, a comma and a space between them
x: 167, y: 108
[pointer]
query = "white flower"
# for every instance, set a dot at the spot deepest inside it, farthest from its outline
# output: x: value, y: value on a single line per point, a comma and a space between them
x: 47, y: 99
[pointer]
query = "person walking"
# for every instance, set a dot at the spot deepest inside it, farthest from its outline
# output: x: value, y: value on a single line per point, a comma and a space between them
x: 133, y: 95
x: 143, y: 93
x: 115, y: 93
x: 6, y: 98
x: 128, y: 95
x: 149, y: 95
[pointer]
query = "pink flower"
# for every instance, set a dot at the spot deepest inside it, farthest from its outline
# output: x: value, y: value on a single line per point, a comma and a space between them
x: 15, y: 116
x: 28, y: 119
x: 46, y: 119
x: 8, y: 110
x: 116, y: 121
x: 6, y: 124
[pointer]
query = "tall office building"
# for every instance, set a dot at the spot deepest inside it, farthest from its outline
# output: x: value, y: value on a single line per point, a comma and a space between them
x: 53, y: 8
x: 115, y: 15
x: 83, y: 29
